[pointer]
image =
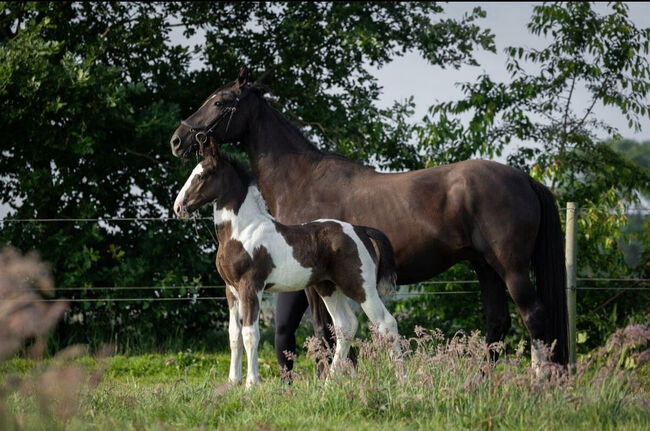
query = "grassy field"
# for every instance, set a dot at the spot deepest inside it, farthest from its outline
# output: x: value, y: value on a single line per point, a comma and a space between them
x: 449, y: 385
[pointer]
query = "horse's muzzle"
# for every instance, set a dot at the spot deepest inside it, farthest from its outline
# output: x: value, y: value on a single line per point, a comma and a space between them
x: 176, y: 145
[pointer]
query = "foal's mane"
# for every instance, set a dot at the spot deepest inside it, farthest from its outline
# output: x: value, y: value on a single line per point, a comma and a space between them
x: 213, y: 161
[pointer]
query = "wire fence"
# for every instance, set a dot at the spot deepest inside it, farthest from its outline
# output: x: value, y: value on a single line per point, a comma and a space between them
x: 639, y: 284
x: 612, y: 210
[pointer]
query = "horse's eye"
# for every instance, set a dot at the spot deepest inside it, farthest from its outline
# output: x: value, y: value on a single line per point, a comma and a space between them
x: 218, y: 103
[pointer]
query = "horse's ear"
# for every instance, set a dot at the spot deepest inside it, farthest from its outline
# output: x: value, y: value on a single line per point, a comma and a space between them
x: 242, y: 78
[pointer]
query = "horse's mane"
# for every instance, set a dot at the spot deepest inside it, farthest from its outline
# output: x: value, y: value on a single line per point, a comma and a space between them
x: 260, y: 90
x: 292, y: 125
x: 295, y: 127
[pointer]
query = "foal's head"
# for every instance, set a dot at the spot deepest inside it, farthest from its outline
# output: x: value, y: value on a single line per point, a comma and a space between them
x: 216, y: 179
x: 223, y: 117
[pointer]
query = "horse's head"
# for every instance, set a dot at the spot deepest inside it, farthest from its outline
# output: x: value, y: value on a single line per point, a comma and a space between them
x: 216, y: 179
x: 222, y: 117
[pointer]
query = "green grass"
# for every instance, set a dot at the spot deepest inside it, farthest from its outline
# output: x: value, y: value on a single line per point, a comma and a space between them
x: 444, y: 389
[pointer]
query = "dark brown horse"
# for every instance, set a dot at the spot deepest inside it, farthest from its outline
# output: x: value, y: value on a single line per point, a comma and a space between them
x: 494, y: 216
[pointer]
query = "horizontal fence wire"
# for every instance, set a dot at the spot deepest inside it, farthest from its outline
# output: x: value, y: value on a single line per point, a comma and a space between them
x: 199, y: 298
x: 164, y: 219
x: 396, y: 295
x: 106, y: 220
x: 433, y: 282
x: 91, y: 288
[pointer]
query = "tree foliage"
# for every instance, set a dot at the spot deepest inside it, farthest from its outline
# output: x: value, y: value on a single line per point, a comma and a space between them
x: 604, y: 55
x: 91, y: 93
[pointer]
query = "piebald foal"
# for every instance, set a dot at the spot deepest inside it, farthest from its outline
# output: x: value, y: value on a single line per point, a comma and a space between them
x: 257, y: 253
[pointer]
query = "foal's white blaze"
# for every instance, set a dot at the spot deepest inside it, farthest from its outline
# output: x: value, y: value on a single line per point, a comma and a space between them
x: 253, y: 226
x: 181, y: 195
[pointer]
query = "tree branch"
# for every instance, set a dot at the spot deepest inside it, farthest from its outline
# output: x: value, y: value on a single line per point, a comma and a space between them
x: 565, y: 135
x: 600, y: 92
x: 266, y: 73
x: 136, y: 153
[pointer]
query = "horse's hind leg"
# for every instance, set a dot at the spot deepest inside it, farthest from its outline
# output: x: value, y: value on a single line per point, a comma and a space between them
x: 345, y: 325
x: 531, y: 310
x: 495, y: 304
x: 321, y: 321
x: 382, y: 319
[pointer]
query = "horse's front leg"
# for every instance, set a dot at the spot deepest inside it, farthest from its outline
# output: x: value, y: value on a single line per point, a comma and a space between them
x: 251, y: 299
x: 235, y: 335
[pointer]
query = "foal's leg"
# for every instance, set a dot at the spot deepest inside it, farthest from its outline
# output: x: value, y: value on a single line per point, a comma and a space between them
x: 251, y: 299
x: 381, y: 318
x: 345, y: 325
x: 234, y: 334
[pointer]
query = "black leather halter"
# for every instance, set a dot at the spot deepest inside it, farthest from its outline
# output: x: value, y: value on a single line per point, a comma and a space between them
x: 201, y: 133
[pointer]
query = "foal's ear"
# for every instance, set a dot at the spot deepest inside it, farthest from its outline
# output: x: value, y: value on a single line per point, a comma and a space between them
x: 242, y: 78
x: 212, y: 148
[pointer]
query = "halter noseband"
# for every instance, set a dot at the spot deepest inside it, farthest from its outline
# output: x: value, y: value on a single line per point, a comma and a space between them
x: 201, y: 133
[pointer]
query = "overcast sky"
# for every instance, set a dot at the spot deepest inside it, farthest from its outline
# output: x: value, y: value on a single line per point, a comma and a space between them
x: 412, y: 75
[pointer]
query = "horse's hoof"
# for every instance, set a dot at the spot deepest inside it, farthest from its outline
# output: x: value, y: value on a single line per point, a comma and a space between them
x: 252, y: 383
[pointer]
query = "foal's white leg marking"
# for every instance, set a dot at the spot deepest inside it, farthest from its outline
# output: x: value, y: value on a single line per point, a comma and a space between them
x: 344, y: 326
x: 380, y: 317
x: 234, y: 334
x: 251, y: 336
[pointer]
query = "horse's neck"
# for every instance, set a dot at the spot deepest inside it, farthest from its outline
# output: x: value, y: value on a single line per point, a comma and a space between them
x: 251, y: 213
x: 273, y: 135
x: 281, y: 157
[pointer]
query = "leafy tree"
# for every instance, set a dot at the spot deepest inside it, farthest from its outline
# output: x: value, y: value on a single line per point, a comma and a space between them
x: 607, y: 56
x: 91, y: 93
x: 314, y: 59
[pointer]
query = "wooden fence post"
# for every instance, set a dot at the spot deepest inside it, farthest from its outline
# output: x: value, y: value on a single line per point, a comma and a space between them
x: 571, y: 251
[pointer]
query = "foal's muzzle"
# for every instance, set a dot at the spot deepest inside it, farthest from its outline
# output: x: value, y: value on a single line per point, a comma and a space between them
x: 180, y: 208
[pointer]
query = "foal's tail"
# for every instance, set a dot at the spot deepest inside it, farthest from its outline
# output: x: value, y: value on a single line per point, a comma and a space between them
x: 386, y: 275
x: 550, y: 273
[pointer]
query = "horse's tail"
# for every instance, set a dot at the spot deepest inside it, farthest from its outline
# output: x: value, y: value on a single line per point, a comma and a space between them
x: 550, y: 272
x: 386, y: 275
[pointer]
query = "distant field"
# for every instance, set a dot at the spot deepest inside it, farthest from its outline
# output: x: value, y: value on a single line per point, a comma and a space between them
x: 444, y: 389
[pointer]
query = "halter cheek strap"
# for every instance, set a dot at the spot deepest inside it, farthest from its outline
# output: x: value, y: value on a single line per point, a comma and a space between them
x: 201, y: 133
